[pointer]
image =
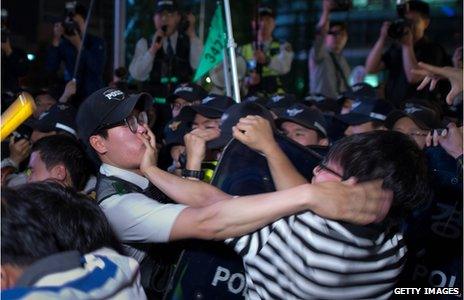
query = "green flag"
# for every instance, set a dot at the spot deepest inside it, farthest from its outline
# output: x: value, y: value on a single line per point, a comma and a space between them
x: 215, y: 43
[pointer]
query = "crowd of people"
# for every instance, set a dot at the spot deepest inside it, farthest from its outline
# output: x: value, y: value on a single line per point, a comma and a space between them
x: 104, y: 188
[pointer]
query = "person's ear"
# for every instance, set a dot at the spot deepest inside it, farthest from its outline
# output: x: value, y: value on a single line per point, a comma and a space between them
x: 59, y: 172
x: 426, y: 23
x: 98, y: 143
x: 9, y: 276
x: 323, y: 142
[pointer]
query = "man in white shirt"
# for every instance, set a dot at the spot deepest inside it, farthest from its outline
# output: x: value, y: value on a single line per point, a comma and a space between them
x: 170, y: 56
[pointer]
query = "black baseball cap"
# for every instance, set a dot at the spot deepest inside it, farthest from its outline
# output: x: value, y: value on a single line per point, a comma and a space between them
x: 231, y: 117
x: 212, y: 106
x: 281, y: 101
x: 359, y: 92
x: 300, y: 114
x: 323, y: 103
x: 58, y: 117
x: 104, y: 107
x: 366, y: 111
x: 424, y: 117
x: 188, y: 91
x: 169, y: 5
x: 265, y: 10
x: 255, y: 98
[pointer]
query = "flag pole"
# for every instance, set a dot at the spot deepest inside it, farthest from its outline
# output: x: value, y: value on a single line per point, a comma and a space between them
x: 225, y: 65
x: 231, y: 45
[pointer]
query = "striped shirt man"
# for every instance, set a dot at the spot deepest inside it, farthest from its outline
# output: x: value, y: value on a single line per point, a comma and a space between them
x: 306, y: 256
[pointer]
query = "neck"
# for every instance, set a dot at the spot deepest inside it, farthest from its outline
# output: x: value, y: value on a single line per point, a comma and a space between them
x: 265, y: 38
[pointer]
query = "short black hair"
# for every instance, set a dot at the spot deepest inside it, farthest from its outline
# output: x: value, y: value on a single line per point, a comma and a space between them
x: 62, y: 149
x: 420, y: 7
x: 77, y: 222
x: 390, y: 156
x: 342, y: 25
x: 26, y: 234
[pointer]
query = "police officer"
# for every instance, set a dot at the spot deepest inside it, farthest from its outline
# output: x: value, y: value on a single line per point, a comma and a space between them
x: 170, y: 56
x: 266, y: 58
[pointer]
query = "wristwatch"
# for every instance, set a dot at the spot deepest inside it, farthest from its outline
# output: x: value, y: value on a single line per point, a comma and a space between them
x: 194, y: 174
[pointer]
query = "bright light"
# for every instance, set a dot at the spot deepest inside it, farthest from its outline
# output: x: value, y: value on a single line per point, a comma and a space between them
x: 208, y: 80
x: 30, y: 56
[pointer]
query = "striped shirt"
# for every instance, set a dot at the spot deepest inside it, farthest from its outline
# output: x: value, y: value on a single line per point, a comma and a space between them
x: 305, y: 256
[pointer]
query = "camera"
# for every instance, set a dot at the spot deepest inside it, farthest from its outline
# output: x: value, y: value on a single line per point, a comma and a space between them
x: 342, y: 5
x: 398, y: 28
x: 5, y: 31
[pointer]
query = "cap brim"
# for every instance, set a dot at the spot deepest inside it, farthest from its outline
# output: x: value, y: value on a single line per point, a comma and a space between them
x: 126, y: 107
x: 186, y: 96
x: 38, y: 125
x: 354, y: 119
x: 279, y: 122
x: 207, y: 112
x: 393, y: 117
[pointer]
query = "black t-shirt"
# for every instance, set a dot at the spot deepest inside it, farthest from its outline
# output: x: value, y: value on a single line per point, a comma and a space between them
x: 397, y: 89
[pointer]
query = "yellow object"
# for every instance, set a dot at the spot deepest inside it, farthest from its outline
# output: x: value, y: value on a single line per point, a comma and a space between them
x: 21, y: 109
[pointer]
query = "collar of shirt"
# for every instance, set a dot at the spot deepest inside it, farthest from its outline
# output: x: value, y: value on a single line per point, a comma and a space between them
x: 173, y: 38
x: 132, y: 177
x: 55, y: 263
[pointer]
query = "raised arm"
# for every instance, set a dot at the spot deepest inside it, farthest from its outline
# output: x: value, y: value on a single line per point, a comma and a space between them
x: 256, y: 133
x: 374, y: 62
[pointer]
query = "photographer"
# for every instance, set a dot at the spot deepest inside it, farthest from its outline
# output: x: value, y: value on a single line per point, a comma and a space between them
x: 170, y: 56
x: 67, y: 39
x: 328, y: 68
x: 410, y: 46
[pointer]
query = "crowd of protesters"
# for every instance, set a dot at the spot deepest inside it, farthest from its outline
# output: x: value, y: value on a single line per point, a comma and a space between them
x: 103, y: 188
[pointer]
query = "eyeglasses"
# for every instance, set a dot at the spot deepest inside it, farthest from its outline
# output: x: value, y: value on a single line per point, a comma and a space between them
x: 131, y: 121
x: 323, y: 166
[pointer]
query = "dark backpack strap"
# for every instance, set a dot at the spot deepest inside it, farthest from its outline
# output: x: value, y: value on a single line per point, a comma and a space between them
x: 339, y: 70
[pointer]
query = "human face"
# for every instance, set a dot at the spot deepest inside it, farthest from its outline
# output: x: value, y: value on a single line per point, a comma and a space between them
x: 419, y: 24
x: 266, y: 26
x: 302, y: 135
x: 43, y: 103
x: 37, y: 169
x: 327, y: 172
x: 205, y: 123
x: 361, y: 128
x: 408, y: 127
x: 336, y: 39
x: 170, y: 19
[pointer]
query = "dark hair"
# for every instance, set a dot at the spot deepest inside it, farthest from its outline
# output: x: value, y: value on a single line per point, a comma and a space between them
x: 342, y: 25
x: 62, y: 149
x: 420, y: 7
x: 390, y: 156
x: 77, y: 221
x: 26, y: 234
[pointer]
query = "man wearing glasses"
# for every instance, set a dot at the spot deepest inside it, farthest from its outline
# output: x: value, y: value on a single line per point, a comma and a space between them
x: 328, y: 69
